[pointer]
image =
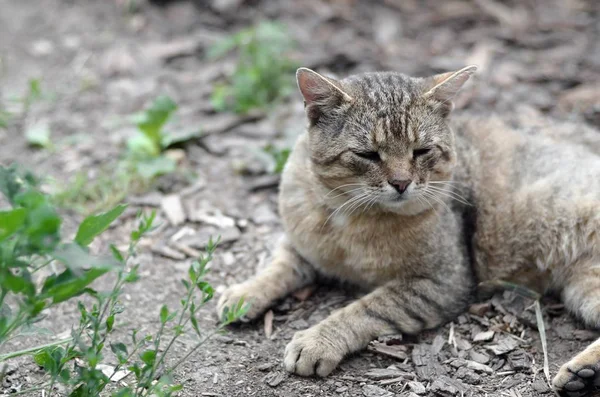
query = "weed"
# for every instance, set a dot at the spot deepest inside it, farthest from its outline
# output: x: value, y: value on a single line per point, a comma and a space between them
x: 146, y: 148
x: 31, y: 246
x: 144, y: 161
x: 263, y: 71
x: 276, y: 159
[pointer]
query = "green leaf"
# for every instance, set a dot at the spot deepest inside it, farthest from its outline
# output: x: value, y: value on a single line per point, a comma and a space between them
x: 173, y: 139
x: 157, y: 166
x: 39, y: 135
x: 76, y: 257
x: 164, y: 314
x: 140, y: 146
x: 66, y: 285
x: 110, y: 321
x: 10, y: 221
x: 125, y: 392
x: 148, y: 357
x: 151, y: 121
x: 195, y: 325
x: 14, y: 283
x: 117, y: 254
x: 133, y: 275
x: 120, y: 350
x: 93, y: 225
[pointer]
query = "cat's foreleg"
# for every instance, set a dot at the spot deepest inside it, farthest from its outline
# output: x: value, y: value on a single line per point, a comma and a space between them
x: 397, y: 307
x: 286, y: 273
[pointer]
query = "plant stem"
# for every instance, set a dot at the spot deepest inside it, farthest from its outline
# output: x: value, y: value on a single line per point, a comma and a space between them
x: 198, y: 345
x: 33, y: 349
x: 29, y: 390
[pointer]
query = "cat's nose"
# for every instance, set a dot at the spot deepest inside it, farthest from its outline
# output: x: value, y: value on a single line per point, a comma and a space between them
x: 400, y: 185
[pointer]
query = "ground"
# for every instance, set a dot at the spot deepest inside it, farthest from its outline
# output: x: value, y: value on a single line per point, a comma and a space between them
x: 101, y: 62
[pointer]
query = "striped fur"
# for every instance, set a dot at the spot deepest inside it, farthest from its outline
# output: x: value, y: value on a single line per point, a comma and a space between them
x: 485, y: 202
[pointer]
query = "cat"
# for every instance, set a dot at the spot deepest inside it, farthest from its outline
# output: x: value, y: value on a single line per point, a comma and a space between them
x: 387, y: 191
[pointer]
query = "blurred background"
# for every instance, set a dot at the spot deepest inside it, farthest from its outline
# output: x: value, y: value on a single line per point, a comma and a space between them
x: 190, y: 108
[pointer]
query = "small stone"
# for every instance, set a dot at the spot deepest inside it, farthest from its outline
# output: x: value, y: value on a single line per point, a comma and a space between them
x: 417, y: 387
x: 42, y: 48
x: 265, y: 366
x: 445, y: 386
x: 376, y: 391
x: 299, y: 324
x: 228, y: 258
x: 274, y: 379
x: 540, y: 385
x: 479, y: 309
x: 173, y: 209
x: 479, y: 357
x: 264, y: 214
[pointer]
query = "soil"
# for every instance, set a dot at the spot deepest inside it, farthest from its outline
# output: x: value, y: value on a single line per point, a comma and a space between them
x: 101, y: 61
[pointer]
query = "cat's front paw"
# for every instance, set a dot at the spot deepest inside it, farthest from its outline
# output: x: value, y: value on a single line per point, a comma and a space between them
x: 253, y: 296
x: 580, y: 376
x: 310, y: 352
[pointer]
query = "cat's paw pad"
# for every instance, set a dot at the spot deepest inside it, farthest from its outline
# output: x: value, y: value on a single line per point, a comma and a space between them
x: 579, y: 377
x: 310, y: 353
x: 253, y: 296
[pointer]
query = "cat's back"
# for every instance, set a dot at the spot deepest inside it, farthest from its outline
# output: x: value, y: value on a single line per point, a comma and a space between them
x: 531, y: 190
x: 493, y: 155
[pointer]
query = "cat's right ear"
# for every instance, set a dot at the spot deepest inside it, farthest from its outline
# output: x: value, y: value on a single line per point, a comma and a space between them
x: 321, y: 94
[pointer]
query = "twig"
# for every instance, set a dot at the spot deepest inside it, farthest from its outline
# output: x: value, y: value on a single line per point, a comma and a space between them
x: 542, y: 331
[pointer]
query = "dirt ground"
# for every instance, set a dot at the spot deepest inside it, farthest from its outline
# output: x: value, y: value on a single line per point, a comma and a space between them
x: 102, y: 63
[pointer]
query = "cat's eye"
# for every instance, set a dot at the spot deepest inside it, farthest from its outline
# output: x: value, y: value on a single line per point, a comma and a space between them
x: 421, y: 152
x: 372, y: 156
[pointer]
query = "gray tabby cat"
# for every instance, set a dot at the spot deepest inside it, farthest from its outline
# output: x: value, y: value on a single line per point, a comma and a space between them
x: 385, y: 191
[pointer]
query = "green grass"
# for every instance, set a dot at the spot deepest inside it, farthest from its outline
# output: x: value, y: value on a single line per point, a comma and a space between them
x: 264, y: 69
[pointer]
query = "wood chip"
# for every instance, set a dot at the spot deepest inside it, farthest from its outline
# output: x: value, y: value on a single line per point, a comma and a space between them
x: 484, y: 336
x: 189, y: 251
x: 168, y: 252
x: 386, y: 373
x: 395, y: 351
x: 268, y: 324
x: 479, y: 367
x: 445, y: 386
x: 504, y: 345
x: 173, y: 209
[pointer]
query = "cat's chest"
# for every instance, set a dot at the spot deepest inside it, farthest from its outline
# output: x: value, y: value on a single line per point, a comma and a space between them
x: 361, y: 251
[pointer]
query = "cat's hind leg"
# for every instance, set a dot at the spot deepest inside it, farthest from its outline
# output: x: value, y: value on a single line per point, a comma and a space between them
x: 581, y: 375
x: 286, y: 273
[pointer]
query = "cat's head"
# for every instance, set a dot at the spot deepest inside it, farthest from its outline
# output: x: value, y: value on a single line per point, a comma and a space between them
x: 381, y: 139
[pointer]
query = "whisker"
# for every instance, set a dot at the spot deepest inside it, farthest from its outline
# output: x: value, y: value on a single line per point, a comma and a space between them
x: 449, y: 194
x: 432, y: 196
x: 358, y: 204
x: 342, y: 186
x: 350, y: 200
x: 346, y: 192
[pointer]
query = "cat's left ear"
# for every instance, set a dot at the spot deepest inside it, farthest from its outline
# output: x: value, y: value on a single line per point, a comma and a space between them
x: 443, y: 87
